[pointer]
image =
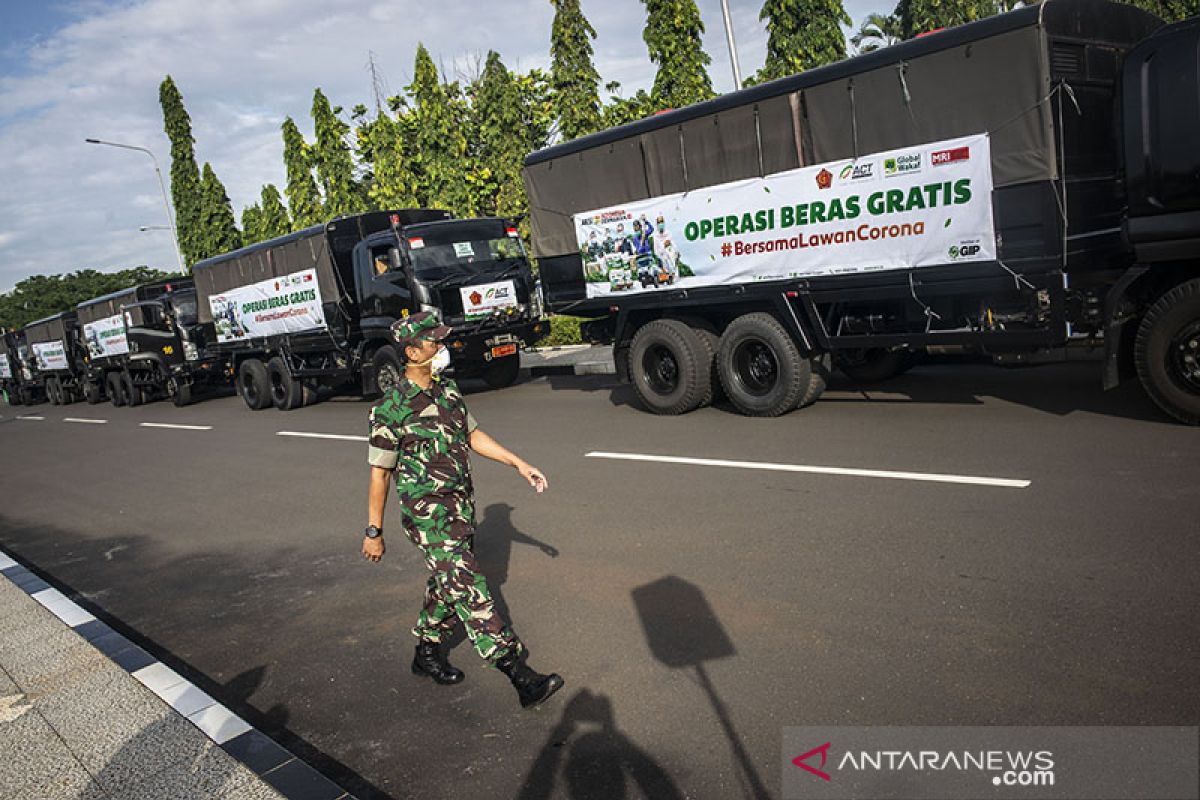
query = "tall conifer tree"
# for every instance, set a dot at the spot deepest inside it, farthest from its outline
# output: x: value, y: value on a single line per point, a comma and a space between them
x: 185, y: 175
x: 802, y: 34
x: 672, y: 35
x: 252, y: 224
x: 573, y: 75
x: 332, y: 159
x: 275, y: 220
x: 303, y: 199
x: 435, y: 133
x: 216, y: 216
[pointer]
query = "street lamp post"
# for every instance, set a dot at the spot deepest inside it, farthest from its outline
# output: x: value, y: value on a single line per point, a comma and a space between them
x: 162, y: 186
x: 737, y: 70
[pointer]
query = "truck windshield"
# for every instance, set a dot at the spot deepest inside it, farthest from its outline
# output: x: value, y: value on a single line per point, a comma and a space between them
x: 433, y: 259
x: 185, y: 308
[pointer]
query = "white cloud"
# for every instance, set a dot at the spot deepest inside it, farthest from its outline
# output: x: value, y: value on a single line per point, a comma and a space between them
x: 243, y: 66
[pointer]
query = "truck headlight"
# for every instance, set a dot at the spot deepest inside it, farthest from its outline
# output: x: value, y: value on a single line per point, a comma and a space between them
x: 190, y: 351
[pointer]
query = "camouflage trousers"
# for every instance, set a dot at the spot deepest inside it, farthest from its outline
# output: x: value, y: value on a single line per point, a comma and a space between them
x: 443, y: 527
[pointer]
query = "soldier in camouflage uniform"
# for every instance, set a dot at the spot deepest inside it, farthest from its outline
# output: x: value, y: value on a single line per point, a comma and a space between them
x: 421, y: 432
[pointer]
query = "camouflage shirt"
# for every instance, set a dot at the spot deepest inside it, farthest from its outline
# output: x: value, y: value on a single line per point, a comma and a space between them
x: 422, y: 434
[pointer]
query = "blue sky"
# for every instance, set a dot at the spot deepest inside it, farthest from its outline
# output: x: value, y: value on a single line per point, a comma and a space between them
x: 71, y: 69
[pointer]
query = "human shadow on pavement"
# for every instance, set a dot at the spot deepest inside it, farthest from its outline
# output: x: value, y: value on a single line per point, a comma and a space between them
x: 588, y: 758
x: 495, y: 536
x: 683, y: 632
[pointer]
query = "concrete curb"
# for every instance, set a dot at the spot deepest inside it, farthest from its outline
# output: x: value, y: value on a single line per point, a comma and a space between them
x: 274, y: 765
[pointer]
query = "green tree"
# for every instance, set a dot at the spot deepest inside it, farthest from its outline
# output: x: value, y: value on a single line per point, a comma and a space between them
x: 332, y: 159
x: 434, y: 131
x: 381, y: 144
x: 573, y: 75
x: 303, y: 199
x: 252, y: 224
x: 40, y: 296
x: 920, y: 16
x: 275, y: 220
x: 512, y: 116
x: 216, y: 216
x: 801, y: 35
x: 672, y: 35
x: 620, y: 110
x: 876, y: 32
x: 1169, y: 10
x: 185, y: 175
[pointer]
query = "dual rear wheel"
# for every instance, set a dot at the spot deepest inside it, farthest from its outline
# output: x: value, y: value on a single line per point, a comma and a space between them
x: 677, y: 367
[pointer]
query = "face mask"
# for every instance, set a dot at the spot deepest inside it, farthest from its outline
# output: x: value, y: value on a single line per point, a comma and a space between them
x: 440, y: 361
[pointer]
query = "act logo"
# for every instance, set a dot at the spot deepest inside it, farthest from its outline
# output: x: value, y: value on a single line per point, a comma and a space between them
x: 824, y: 179
x: 823, y: 750
x: 857, y: 171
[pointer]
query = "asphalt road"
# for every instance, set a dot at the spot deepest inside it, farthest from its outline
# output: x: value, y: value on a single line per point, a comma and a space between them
x: 694, y: 610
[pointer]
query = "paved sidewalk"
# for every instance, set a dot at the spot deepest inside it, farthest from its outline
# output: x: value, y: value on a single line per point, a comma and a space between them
x: 84, y: 713
x: 583, y: 359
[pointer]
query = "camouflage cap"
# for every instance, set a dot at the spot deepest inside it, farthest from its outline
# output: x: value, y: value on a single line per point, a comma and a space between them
x: 422, y: 325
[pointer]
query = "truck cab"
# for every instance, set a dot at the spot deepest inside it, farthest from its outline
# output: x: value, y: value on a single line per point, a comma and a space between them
x: 474, y: 272
x: 168, y: 346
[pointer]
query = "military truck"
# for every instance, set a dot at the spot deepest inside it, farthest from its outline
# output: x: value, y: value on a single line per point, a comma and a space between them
x: 16, y: 379
x: 147, y: 343
x: 312, y: 309
x: 1012, y: 186
x: 58, y: 365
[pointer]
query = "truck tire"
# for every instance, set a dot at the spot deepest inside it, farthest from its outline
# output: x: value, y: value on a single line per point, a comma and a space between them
x: 92, y: 393
x: 762, y: 370
x: 503, y: 372
x: 116, y: 394
x: 254, y: 384
x: 389, y: 369
x: 286, y: 392
x: 821, y: 370
x: 874, y: 365
x: 131, y: 393
x: 179, y: 392
x: 669, y: 366
x: 1167, y: 352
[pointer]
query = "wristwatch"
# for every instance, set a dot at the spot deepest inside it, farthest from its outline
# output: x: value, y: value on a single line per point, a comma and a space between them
x: 372, y: 532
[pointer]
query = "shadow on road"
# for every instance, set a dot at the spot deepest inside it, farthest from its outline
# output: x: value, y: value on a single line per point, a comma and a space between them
x: 586, y: 757
x: 683, y: 633
x: 1058, y: 389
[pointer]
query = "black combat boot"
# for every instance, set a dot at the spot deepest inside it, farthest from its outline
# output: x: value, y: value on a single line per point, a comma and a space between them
x: 429, y: 660
x: 532, y: 687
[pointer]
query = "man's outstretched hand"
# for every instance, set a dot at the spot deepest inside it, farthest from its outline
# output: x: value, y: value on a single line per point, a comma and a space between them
x: 534, y: 475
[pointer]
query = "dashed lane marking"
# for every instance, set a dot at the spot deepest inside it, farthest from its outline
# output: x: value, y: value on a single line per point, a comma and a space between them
x: 30, y: 416
x: 304, y: 435
x: 934, y: 477
x: 86, y: 421
x: 175, y: 427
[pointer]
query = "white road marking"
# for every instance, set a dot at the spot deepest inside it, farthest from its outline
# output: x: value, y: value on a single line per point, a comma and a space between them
x: 858, y: 473
x: 175, y: 427
x: 30, y: 416
x: 304, y: 435
x: 86, y: 421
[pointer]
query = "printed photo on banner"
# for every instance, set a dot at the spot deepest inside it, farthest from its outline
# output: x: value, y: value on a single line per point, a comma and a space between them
x: 919, y: 206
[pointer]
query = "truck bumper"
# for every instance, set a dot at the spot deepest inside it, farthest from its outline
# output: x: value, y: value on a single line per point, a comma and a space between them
x: 471, y: 351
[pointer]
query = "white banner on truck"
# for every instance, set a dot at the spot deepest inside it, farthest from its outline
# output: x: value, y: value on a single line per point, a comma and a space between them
x: 5, y: 369
x: 916, y: 207
x: 484, y: 298
x: 290, y: 304
x: 50, y: 355
x: 106, y: 337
